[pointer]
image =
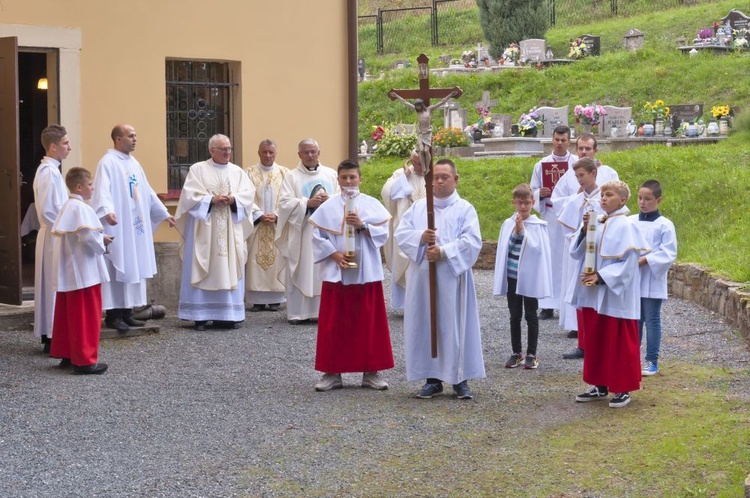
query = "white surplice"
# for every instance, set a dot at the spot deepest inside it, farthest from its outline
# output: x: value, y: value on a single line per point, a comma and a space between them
x: 570, y: 219
x: 294, y: 237
x: 214, y: 250
x: 534, y: 263
x: 50, y: 194
x: 79, y: 247
x: 265, y: 273
x: 329, y: 236
x: 121, y: 187
x: 459, y: 337
x: 661, y: 237
x: 619, y: 244
x: 398, y: 194
x: 546, y: 209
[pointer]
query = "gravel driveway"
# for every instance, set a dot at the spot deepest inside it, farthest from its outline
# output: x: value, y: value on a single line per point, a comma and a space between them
x: 234, y: 413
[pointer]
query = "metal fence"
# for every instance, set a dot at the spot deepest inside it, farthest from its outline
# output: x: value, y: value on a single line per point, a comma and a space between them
x: 455, y: 22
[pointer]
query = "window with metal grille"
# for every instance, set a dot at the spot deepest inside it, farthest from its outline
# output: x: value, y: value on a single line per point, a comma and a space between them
x: 198, y: 106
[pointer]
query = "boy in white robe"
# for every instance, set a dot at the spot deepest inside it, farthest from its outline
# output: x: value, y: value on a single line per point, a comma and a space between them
x: 50, y: 194
x: 79, y: 247
x: 660, y: 234
x: 609, y: 300
x: 523, y: 272
x: 454, y: 247
x: 351, y: 295
x: 570, y: 218
x: 215, y: 205
x: 403, y: 188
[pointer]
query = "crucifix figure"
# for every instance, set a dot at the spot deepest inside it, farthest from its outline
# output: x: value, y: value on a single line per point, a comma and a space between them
x: 423, y: 109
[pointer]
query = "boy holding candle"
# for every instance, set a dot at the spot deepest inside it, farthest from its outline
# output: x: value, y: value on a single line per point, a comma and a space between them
x: 523, y: 272
x: 609, y: 299
x: 353, y: 333
x: 660, y: 234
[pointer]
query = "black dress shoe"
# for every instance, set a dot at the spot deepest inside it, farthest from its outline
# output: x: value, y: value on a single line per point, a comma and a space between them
x: 573, y: 355
x: 46, y: 343
x: 546, y: 314
x: 298, y: 321
x: 274, y: 307
x: 65, y: 363
x: 96, y: 369
x: 129, y: 320
x: 257, y: 307
x: 572, y: 334
x: 200, y: 325
x: 118, y: 324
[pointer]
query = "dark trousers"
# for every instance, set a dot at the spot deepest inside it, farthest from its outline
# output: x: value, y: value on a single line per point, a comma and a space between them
x: 518, y: 306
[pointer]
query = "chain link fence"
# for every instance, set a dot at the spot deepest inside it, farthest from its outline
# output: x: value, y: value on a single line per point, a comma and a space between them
x: 456, y: 22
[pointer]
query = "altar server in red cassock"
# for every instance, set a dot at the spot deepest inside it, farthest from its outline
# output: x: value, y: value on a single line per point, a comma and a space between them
x: 609, y: 299
x: 353, y: 333
x: 78, y: 250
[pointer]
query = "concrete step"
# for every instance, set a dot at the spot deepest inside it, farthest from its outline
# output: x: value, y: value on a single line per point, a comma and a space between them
x: 515, y: 153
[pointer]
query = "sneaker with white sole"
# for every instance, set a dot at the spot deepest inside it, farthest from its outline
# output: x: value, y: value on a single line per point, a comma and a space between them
x: 530, y: 362
x: 649, y: 368
x: 620, y: 400
x: 515, y: 360
x: 373, y: 380
x: 594, y: 393
x: 328, y: 382
x: 429, y: 390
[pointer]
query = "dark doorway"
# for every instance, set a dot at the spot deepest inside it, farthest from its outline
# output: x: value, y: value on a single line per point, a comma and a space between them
x: 32, y: 119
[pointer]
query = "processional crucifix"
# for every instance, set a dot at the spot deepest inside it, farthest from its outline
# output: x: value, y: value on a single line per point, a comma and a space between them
x: 423, y: 109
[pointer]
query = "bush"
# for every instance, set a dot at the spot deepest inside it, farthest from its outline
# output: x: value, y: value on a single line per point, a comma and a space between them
x: 450, y: 137
x: 395, y: 145
x: 510, y: 21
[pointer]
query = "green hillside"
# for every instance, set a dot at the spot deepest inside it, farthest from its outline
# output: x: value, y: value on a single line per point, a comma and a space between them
x: 706, y: 187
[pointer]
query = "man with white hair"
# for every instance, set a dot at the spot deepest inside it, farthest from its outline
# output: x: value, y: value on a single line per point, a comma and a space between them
x: 214, y: 217
x: 304, y: 189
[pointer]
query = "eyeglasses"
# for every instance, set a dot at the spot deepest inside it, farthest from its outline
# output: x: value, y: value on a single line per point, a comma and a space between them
x: 223, y: 149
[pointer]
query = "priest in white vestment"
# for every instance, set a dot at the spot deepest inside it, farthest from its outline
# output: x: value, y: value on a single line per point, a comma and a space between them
x: 130, y: 212
x: 50, y: 193
x: 265, y: 273
x: 544, y: 205
x: 402, y: 189
x: 214, y: 217
x: 457, y: 242
x: 304, y: 189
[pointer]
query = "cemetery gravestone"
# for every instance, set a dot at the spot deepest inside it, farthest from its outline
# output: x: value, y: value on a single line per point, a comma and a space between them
x: 686, y: 113
x: 552, y: 117
x: 633, y: 40
x: 593, y: 44
x: 737, y: 20
x: 486, y: 103
x: 533, y: 50
x: 454, y: 115
x: 445, y: 59
x: 502, y: 122
x: 617, y: 117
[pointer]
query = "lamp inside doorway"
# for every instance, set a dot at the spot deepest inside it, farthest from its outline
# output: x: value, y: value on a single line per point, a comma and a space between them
x: 42, y: 84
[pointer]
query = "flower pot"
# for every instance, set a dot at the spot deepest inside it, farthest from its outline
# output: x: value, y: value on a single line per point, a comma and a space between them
x: 587, y: 128
x: 477, y: 136
x: 712, y: 130
x: 648, y: 130
x: 659, y: 127
x: 723, y: 126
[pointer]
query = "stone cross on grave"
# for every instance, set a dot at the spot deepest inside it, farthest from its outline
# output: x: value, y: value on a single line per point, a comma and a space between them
x: 486, y: 103
x: 423, y: 109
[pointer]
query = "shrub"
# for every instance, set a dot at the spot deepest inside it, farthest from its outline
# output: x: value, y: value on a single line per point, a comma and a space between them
x: 395, y: 145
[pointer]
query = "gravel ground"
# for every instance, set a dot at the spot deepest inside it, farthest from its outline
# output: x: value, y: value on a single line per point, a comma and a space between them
x: 234, y: 413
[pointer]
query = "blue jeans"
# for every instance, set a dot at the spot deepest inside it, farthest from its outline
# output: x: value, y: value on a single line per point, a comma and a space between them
x: 651, y: 317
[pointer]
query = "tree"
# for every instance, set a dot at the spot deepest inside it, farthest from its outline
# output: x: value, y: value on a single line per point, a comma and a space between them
x: 510, y: 21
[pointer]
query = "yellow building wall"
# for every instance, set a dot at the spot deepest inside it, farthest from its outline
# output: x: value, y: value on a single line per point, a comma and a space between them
x: 292, y: 54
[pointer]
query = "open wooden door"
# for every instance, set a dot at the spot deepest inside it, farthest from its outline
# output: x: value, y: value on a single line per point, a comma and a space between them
x: 10, y: 193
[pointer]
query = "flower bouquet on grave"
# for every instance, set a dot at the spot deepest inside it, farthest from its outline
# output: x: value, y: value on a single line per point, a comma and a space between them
x: 450, y: 137
x: 720, y: 111
x: 511, y: 54
x: 578, y: 49
x: 589, y: 115
x: 705, y: 37
x: 529, y: 124
x: 740, y: 38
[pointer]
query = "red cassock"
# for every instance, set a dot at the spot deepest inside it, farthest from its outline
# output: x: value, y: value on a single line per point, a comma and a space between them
x: 77, y: 325
x: 353, y: 333
x: 612, y: 349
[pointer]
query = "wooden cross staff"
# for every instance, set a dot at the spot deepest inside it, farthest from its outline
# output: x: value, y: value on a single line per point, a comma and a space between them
x: 424, y: 148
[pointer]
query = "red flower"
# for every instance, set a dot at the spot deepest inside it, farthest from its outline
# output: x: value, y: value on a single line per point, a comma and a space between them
x: 377, y: 135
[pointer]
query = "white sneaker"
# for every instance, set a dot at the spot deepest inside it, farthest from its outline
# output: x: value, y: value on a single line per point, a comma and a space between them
x: 328, y: 382
x: 373, y: 380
